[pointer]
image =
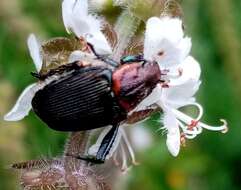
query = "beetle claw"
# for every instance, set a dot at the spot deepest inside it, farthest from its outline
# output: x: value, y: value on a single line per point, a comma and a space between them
x: 89, y: 159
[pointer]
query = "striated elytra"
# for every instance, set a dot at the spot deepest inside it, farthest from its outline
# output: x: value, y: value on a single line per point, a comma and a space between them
x: 81, y: 100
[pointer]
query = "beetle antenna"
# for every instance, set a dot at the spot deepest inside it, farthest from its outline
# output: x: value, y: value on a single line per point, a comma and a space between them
x: 93, y: 49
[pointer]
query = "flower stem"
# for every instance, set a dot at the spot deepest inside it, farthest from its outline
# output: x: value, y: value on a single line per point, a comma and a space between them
x: 65, y: 172
x: 76, y: 146
x: 126, y: 26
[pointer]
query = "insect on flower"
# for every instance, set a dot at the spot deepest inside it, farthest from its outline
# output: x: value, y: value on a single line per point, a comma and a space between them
x: 81, y: 87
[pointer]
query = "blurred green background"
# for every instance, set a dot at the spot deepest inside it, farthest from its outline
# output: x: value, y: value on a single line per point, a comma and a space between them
x: 211, y: 162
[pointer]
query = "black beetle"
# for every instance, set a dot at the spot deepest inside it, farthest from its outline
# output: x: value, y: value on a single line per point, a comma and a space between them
x: 89, y: 95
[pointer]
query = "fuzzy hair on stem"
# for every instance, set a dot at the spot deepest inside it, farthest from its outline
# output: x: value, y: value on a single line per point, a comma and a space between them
x: 66, y: 172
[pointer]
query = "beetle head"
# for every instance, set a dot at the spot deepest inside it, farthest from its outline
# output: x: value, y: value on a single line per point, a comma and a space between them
x: 134, y: 82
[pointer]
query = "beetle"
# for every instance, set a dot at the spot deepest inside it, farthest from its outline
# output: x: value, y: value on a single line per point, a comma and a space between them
x: 95, y: 94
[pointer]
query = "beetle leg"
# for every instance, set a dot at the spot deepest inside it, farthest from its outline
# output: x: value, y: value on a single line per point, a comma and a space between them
x: 107, y: 143
x: 93, y: 49
x: 103, y: 57
x: 104, y: 149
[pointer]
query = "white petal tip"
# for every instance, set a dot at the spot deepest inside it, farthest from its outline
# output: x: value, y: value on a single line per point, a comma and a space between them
x: 173, y: 147
x: 225, y: 125
x: 174, y: 152
x: 6, y: 118
x: 12, y: 117
x: 31, y: 36
x: 35, y: 51
x: 23, y: 104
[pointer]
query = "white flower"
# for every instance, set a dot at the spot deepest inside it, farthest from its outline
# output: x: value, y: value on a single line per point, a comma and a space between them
x: 165, y: 43
x: 77, y: 19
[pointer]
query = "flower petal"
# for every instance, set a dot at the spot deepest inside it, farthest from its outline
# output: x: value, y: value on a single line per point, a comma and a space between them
x: 98, y: 40
x: 162, y: 40
x: 80, y: 55
x: 185, y: 46
x: 166, y: 54
x: 76, y: 19
x: 23, y: 104
x: 191, y: 68
x: 173, y: 134
x: 165, y: 28
x: 68, y: 7
x: 35, y: 51
x: 178, y: 96
x: 190, y: 71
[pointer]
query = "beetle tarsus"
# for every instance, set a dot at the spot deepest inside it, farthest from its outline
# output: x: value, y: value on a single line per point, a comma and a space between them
x: 92, y: 160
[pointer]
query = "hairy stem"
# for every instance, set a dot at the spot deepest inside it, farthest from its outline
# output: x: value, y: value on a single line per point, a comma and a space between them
x: 67, y: 172
x: 77, y: 143
x: 76, y: 146
x: 126, y: 26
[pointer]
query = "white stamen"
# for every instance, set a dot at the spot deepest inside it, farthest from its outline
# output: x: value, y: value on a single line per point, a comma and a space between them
x: 200, y: 109
x: 124, y: 166
x: 128, y: 144
x: 114, y: 157
x: 190, y: 136
x: 188, y: 120
x: 194, y: 131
